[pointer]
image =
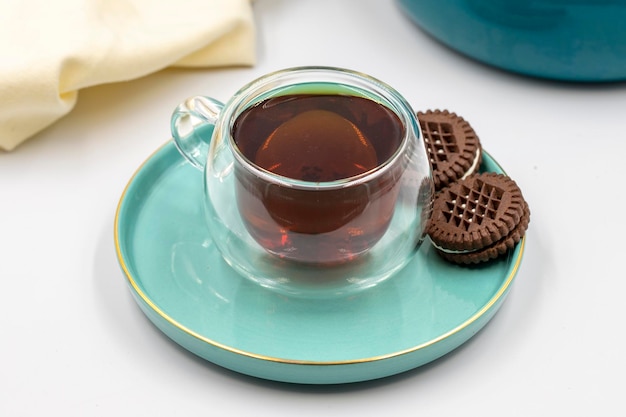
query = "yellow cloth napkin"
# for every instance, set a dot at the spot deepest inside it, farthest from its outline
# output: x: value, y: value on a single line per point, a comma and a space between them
x: 50, y: 49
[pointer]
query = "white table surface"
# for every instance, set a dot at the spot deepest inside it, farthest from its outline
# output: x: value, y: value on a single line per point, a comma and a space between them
x: 74, y: 343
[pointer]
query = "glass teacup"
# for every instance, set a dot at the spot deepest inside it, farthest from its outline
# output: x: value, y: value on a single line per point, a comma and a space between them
x: 317, y: 180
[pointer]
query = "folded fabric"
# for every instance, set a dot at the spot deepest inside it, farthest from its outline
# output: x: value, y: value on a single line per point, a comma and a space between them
x: 49, y: 50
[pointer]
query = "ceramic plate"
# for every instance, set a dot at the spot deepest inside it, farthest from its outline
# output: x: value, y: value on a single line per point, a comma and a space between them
x: 185, y: 288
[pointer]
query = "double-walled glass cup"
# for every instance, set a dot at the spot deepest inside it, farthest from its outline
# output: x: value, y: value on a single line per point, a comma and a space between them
x: 316, y: 179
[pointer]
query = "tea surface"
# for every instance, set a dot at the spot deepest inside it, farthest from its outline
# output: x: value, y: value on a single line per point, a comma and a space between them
x: 318, y: 138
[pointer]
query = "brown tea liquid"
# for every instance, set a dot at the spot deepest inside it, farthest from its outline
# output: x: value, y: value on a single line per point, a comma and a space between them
x: 317, y: 139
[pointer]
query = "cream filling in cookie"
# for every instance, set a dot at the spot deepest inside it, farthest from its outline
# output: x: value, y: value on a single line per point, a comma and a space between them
x: 442, y: 249
x: 474, y: 165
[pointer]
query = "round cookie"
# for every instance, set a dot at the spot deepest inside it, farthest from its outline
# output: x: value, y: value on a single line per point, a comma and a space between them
x: 478, y: 218
x: 453, y: 147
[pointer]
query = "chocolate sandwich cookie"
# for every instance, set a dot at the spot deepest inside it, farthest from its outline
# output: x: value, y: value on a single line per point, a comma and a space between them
x: 453, y: 147
x: 478, y: 218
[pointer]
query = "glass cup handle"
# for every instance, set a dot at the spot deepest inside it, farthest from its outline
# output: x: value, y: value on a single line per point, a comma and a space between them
x: 192, y: 124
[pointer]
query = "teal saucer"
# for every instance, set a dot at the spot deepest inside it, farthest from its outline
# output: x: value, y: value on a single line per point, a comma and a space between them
x: 181, y: 283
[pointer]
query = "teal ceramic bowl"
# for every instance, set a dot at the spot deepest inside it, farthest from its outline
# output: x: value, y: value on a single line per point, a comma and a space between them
x: 570, y: 40
x: 181, y: 283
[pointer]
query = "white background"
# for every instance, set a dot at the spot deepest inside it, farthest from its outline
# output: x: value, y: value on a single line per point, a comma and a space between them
x: 74, y: 343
